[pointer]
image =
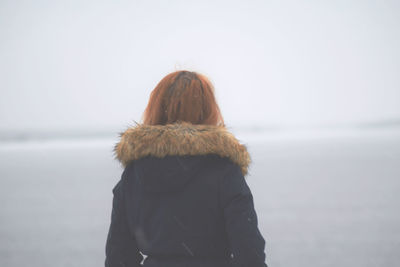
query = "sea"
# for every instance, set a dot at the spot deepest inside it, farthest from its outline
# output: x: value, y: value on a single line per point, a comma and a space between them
x: 323, y: 197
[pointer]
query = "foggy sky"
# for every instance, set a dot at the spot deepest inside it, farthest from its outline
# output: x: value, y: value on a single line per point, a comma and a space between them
x: 92, y: 64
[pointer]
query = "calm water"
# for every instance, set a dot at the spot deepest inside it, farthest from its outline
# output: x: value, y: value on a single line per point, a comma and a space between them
x: 331, y: 201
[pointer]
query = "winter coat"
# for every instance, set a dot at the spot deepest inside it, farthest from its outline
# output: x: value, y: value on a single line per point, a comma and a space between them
x: 182, y: 200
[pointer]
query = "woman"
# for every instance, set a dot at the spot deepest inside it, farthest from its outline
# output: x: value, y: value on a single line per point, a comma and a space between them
x: 182, y: 199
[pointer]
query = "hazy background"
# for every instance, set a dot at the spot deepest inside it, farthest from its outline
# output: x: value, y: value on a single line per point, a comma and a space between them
x: 92, y: 64
x: 311, y: 87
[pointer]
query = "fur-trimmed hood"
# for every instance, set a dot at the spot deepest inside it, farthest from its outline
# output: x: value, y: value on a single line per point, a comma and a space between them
x: 180, y: 138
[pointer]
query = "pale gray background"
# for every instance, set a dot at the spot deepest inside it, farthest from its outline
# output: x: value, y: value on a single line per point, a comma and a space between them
x: 84, y: 64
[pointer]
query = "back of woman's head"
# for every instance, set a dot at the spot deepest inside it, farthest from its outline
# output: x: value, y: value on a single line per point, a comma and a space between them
x: 183, y: 96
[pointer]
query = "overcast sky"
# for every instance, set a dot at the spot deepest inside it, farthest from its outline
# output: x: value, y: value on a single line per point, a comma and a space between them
x: 92, y: 64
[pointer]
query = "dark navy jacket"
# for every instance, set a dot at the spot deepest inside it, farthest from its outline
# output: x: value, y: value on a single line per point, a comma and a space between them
x: 183, y: 211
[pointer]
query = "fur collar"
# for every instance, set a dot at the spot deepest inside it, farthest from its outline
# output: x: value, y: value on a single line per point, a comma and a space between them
x: 180, y: 138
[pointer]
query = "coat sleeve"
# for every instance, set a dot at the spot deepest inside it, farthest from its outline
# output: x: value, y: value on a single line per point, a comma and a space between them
x: 121, y: 248
x: 246, y: 242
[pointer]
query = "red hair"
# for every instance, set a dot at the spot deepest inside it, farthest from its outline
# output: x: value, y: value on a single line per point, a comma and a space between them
x: 183, y: 96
